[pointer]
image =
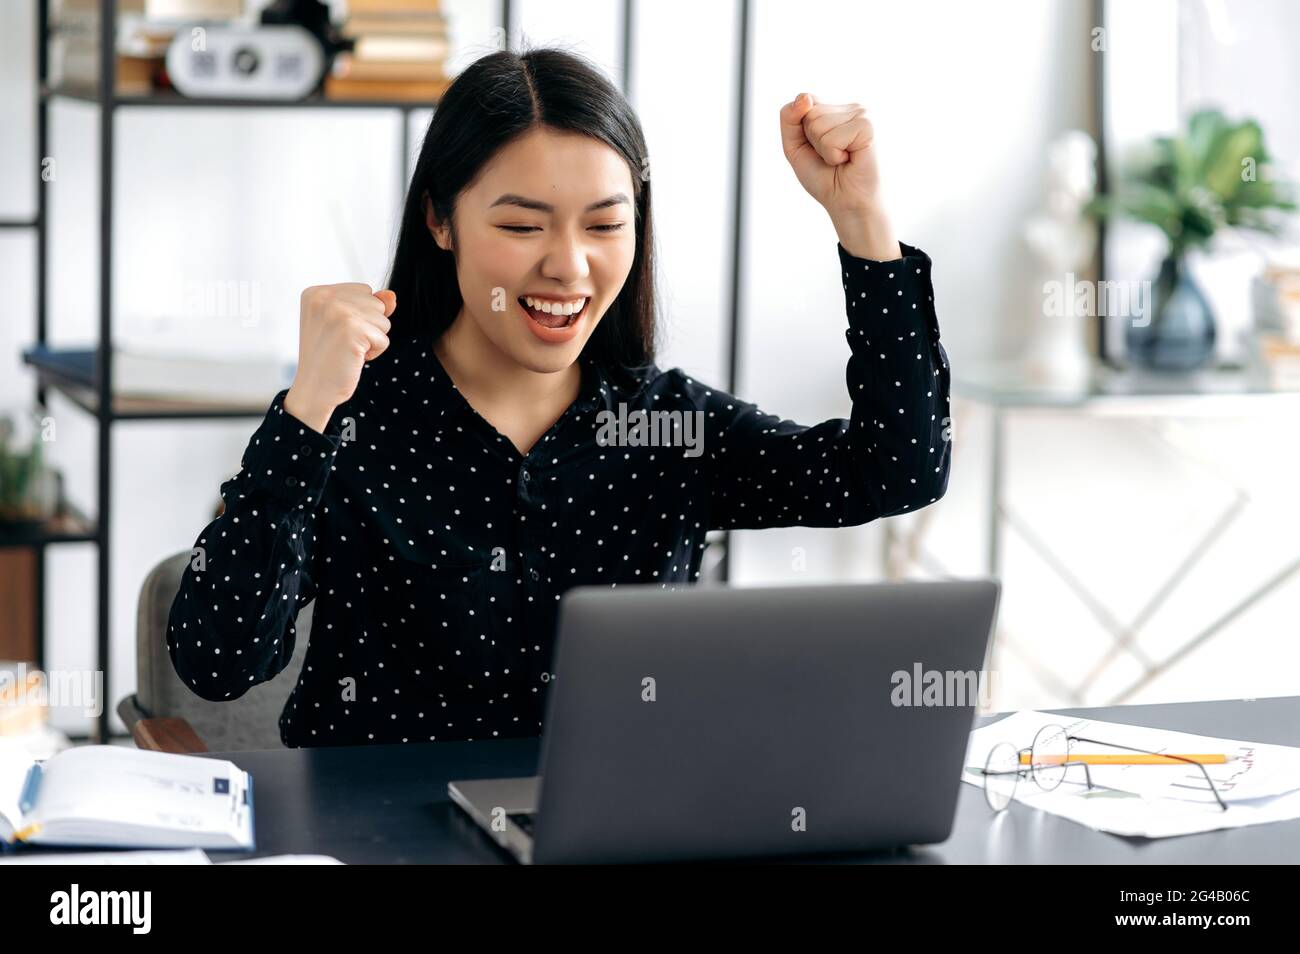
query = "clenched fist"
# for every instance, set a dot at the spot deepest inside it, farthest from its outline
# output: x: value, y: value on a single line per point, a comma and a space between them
x: 340, y: 328
x: 832, y: 150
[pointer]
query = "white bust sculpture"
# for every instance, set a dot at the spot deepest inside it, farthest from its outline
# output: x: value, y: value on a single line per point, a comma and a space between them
x: 1056, y: 354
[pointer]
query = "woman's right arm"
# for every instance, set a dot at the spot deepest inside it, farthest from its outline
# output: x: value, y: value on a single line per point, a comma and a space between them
x: 231, y: 625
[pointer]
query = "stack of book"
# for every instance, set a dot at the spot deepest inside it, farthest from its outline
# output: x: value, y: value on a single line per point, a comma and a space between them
x: 1275, y: 299
x: 400, y: 50
x: 145, y: 28
x: 74, y: 47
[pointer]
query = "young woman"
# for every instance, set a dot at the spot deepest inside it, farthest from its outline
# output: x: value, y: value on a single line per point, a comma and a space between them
x: 441, y: 470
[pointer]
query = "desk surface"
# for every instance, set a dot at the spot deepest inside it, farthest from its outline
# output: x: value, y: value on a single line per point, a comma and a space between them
x: 388, y: 803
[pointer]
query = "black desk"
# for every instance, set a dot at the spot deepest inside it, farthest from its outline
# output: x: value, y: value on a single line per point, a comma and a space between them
x: 388, y: 803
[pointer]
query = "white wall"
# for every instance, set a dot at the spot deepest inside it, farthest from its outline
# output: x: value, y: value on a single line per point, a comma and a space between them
x: 961, y: 127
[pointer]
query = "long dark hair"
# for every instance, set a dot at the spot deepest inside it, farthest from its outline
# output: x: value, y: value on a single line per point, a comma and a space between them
x: 496, y: 99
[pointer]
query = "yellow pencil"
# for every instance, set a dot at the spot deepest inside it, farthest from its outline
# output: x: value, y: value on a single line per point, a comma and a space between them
x: 1135, y: 758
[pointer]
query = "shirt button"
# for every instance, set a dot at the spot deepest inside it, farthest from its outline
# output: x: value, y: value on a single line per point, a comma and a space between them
x: 305, y: 450
x: 534, y: 574
x: 291, y: 480
x: 524, y: 475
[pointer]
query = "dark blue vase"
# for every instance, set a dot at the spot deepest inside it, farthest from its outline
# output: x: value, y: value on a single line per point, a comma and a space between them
x: 1180, y: 333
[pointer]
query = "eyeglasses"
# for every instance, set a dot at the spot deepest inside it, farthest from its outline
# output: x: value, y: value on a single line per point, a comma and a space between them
x: 1049, y: 758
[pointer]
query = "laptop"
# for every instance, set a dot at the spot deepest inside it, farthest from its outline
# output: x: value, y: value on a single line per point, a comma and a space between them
x: 700, y: 722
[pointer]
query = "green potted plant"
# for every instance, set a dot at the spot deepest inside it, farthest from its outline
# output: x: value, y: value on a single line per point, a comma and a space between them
x: 1216, y: 174
x: 24, y: 497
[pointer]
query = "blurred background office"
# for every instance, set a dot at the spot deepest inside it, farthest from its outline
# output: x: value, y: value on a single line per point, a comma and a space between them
x: 1130, y: 480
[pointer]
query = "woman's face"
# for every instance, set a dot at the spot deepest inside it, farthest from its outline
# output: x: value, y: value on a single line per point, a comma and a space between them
x: 550, y: 219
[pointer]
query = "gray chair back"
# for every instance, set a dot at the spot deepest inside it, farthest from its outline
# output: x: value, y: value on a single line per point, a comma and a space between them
x: 249, y: 722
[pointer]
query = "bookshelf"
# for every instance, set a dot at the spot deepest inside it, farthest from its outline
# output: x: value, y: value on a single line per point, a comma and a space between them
x: 97, y: 398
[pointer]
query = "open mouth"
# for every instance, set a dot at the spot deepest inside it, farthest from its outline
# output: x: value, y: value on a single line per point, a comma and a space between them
x: 553, y: 321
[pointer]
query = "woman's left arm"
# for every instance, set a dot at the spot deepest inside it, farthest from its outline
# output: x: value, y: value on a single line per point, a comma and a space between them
x: 892, y: 455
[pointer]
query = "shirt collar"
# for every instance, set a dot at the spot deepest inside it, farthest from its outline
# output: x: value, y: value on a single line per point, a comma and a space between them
x: 591, y: 392
x: 445, y: 394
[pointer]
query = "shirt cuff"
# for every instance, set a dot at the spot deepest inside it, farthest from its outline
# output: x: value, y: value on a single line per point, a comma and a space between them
x: 288, y: 460
x: 898, y: 290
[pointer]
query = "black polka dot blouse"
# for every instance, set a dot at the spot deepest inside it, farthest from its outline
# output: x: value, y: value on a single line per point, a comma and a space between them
x: 437, y: 554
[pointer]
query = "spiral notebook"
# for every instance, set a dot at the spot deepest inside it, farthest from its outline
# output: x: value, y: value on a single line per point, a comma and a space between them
x: 111, y: 796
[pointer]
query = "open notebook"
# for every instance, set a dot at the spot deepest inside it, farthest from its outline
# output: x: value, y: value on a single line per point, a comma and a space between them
x: 111, y: 796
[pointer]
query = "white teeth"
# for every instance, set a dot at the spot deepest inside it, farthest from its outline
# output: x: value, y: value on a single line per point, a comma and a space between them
x: 555, y: 308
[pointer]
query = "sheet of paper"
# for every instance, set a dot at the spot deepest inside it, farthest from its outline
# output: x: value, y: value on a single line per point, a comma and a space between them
x: 285, y: 860
x: 1261, y: 783
x: 183, y: 856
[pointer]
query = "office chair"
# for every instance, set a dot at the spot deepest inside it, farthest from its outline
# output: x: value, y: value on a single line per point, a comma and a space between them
x: 163, y: 714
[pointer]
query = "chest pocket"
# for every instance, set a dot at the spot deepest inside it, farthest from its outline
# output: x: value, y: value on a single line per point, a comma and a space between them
x: 437, y: 620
